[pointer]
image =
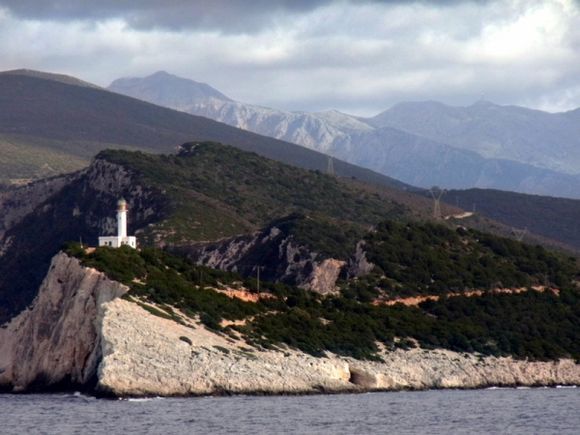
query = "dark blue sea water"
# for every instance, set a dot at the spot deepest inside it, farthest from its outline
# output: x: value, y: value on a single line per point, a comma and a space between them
x: 513, y: 411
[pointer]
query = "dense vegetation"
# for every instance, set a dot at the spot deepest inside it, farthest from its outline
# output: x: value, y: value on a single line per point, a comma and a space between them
x: 528, y: 325
x: 325, y: 236
x: 225, y: 192
x: 219, y: 191
x: 425, y: 258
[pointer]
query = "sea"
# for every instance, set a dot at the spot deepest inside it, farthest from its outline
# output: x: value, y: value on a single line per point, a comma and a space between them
x: 491, y: 411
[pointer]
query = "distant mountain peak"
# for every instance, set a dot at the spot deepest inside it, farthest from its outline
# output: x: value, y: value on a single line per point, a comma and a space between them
x: 332, y: 112
x: 167, y: 89
x: 162, y: 73
x: 433, y: 104
x: 484, y: 103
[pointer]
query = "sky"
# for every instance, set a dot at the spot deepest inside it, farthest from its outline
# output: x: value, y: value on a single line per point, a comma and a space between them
x: 357, y: 56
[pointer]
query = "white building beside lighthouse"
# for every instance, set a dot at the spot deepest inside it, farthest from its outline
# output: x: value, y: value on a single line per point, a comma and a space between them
x: 121, y: 238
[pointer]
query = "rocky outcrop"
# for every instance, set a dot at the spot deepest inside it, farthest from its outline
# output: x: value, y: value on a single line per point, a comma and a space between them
x: 324, y: 276
x: 109, y: 182
x: 80, y: 333
x: 277, y: 254
x: 101, y: 178
x: 422, y: 369
x: 56, y: 341
x: 359, y: 265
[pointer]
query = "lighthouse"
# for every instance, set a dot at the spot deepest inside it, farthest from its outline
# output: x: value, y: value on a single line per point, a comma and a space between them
x: 121, y: 239
x: 122, y: 218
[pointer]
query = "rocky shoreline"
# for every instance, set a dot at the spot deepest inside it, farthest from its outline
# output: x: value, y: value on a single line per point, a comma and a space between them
x: 80, y: 333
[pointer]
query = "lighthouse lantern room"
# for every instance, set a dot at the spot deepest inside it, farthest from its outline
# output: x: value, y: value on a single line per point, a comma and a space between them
x: 121, y: 239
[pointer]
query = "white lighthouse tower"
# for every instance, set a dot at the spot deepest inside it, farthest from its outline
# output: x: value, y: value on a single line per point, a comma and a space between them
x: 121, y: 238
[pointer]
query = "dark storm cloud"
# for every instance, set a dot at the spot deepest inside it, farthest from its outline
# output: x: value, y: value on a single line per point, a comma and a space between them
x: 228, y: 16
x: 224, y: 15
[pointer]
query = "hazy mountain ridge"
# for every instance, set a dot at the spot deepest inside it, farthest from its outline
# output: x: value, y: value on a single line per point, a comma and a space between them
x: 316, y: 131
x: 546, y: 140
x: 46, y: 119
x: 419, y: 143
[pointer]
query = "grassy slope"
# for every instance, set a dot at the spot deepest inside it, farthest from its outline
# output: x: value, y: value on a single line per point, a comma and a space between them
x: 214, y: 192
x: 32, y: 158
x: 412, y: 258
x: 217, y: 191
x: 69, y: 80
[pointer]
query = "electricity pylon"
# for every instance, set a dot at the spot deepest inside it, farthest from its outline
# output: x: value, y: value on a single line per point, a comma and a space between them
x: 519, y: 234
x: 436, y: 194
x: 330, y: 166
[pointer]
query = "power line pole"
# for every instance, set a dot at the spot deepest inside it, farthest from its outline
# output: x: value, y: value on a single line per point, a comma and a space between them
x: 258, y: 276
x: 436, y: 194
x: 519, y: 234
x: 330, y: 166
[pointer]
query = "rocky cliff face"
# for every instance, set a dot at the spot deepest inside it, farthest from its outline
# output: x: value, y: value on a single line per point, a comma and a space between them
x: 279, y: 257
x: 56, y: 342
x: 80, y: 333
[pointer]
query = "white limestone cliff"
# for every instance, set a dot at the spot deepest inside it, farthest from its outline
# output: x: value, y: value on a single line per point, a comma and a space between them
x: 56, y: 341
x: 79, y: 332
x: 148, y: 355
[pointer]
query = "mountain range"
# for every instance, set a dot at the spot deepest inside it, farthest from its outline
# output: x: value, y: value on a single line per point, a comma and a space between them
x: 50, y: 124
x: 424, y: 144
